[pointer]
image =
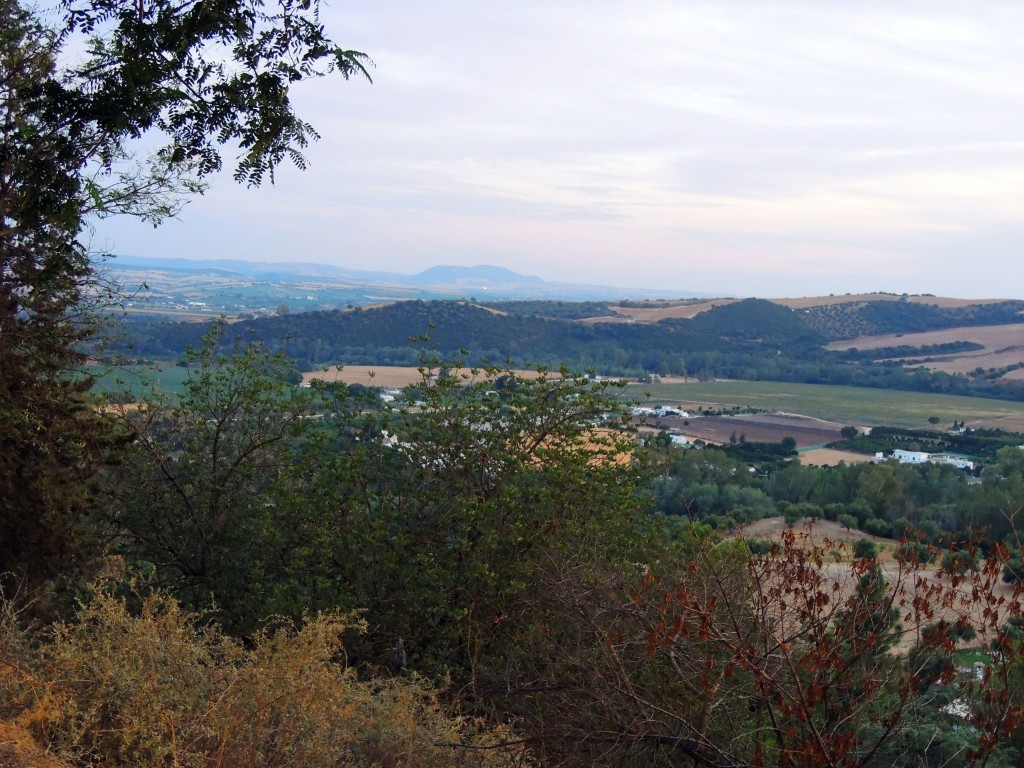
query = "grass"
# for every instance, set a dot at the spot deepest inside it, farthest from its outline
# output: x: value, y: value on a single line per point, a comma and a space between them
x: 970, y: 656
x: 137, y: 379
x: 845, y: 405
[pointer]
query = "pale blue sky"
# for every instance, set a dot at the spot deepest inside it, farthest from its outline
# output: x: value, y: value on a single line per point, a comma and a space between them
x: 742, y: 148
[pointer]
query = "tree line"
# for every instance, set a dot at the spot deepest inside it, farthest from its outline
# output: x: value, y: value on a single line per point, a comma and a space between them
x: 753, y: 340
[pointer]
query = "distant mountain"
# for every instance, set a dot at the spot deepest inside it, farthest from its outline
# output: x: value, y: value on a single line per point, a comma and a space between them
x: 484, y: 276
x: 297, y: 271
x: 492, y: 282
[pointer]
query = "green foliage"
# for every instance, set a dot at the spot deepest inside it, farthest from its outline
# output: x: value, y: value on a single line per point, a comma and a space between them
x: 203, y: 75
x: 455, y: 523
x: 759, y: 546
x: 849, y: 522
x: 436, y: 518
x: 847, y: 320
x: 877, y: 527
x: 914, y: 552
x: 960, y: 562
x: 767, y: 457
x: 205, y: 476
x: 52, y: 439
x: 980, y: 443
x: 1013, y: 569
x: 865, y: 548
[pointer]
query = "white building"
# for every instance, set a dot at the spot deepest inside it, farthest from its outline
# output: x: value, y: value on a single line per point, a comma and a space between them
x: 920, y: 457
x: 911, y: 457
x: 957, y: 461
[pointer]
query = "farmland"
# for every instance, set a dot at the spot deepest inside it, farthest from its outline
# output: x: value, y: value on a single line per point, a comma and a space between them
x: 387, y: 376
x: 1003, y: 346
x: 834, y: 406
x: 830, y: 457
x: 368, y: 375
x: 656, y: 311
x: 756, y: 428
x: 843, y: 405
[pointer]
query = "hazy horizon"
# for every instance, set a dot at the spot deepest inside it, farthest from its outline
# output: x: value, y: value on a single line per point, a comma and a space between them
x: 733, y: 148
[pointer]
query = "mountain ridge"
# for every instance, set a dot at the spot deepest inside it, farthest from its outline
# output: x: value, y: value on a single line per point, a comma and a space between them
x: 440, y: 281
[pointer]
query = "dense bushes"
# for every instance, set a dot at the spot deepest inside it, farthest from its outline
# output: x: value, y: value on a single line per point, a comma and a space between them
x: 134, y: 680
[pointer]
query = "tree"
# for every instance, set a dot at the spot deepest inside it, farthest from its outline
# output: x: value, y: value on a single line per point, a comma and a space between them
x: 865, y: 548
x: 203, y: 75
x: 200, y: 74
x: 209, y: 477
x: 781, y: 660
x: 450, y: 526
x: 51, y: 439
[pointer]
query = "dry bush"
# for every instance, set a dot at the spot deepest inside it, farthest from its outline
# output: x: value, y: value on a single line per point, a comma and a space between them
x: 149, y: 686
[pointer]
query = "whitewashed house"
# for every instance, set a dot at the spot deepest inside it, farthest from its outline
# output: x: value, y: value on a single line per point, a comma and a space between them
x: 911, y: 457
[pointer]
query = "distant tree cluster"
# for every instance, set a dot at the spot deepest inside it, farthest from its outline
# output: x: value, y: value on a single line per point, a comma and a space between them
x: 747, y: 340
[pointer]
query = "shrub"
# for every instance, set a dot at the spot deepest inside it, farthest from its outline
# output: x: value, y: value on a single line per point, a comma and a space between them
x: 759, y: 546
x: 914, y: 552
x: 877, y: 527
x: 960, y: 562
x: 865, y: 548
x: 834, y: 510
x: 152, y: 687
x: 849, y: 522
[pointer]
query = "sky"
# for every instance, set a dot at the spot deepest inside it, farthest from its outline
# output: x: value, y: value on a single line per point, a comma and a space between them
x: 730, y: 147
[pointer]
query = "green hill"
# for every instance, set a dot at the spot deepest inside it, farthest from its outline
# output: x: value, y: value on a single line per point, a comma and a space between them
x: 753, y: 340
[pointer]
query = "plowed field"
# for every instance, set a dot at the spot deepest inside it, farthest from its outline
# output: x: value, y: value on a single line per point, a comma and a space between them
x: 760, y: 428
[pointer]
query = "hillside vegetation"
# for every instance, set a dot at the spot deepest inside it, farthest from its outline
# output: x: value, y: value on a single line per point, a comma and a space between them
x: 848, y: 320
x: 487, y: 569
x: 753, y: 339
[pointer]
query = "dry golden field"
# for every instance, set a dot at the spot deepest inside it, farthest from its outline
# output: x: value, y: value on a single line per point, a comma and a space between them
x: 1004, y: 345
x: 606, y: 319
x: 829, y: 457
x: 1007, y: 423
x: 805, y: 302
x: 828, y: 534
x: 388, y: 376
x: 657, y: 313
x: 817, y: 533
x: 661, y: 311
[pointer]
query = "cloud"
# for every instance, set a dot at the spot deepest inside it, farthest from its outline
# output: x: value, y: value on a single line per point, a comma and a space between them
x: 807, y: 141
